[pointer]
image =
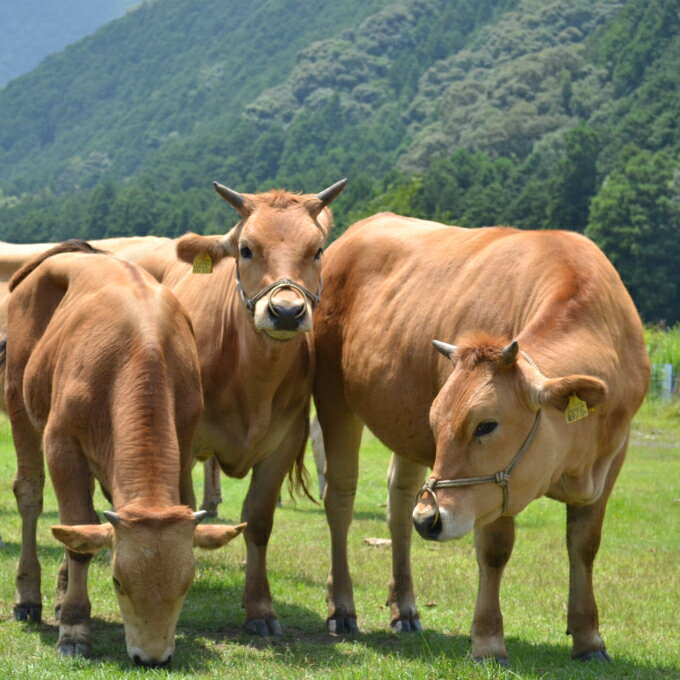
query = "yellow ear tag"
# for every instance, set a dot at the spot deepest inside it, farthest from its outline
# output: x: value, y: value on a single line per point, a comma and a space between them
x: 576, y: 409
x: 202, y: 264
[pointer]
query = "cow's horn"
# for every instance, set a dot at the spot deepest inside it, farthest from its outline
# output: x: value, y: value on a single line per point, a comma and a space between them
x: 444, y: 348
x: 230, y: 196
x: 327, y: 196
x: 510, y: 353
x: 112, y: 517
x: 200, y: 516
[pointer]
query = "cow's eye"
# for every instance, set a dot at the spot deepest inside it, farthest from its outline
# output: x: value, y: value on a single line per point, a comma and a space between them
x: 116, y: 583
x: 487, y: 427
x: 246, y: 253
x: 319, y: 253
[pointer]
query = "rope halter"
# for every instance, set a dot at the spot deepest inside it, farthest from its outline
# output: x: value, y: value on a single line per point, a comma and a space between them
x: 501, y: 478
x: 281, y: 284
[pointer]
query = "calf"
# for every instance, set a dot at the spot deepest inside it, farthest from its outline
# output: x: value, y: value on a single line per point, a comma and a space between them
x: 102, y: 378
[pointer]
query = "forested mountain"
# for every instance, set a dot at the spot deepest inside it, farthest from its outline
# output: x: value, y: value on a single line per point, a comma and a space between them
x: 32, y: 29
x: 536, y: 113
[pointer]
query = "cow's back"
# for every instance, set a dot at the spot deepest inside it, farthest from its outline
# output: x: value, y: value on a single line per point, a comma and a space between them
x: 84, y: 348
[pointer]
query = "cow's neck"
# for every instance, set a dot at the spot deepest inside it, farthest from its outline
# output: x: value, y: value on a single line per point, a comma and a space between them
x: 261, y: 381
x: 145, y: 475
x: 145, y: 457
x: 262, y: 361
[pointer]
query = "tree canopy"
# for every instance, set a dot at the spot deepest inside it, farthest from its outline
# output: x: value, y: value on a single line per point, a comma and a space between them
x: 537, y: 115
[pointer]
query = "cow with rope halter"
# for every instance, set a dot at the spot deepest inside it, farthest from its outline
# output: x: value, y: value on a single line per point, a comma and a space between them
x: 545, y: 368
x: 250, y: 295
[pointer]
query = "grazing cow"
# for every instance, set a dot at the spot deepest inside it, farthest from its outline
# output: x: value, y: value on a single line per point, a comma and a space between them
x: 103, y: 377
x: 543, y: 324
x: 251, y: 310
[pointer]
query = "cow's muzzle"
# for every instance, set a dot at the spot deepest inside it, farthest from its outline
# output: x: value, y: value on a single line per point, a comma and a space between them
x: 286, y: 315
x: 271, y: 290
x: 152, y: 664
x: 428, y: 523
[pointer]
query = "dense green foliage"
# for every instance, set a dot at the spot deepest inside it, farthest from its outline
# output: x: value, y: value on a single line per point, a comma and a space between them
x: 536, y: 114
x: 32, y: 29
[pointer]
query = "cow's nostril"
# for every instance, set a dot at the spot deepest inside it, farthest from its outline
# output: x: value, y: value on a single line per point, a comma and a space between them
x: 288, y: 316
x: 137, y: 659
x: 429, y: 525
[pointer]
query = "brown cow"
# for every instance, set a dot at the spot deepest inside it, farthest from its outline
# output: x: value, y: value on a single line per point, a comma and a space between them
x: 13, y: 256
x: 539, y: 316
x: 251, y: 315
x: 102, y: 375
x: 130, y: 248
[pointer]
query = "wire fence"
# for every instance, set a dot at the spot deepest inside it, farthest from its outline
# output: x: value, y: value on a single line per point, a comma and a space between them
x: 665, y: 382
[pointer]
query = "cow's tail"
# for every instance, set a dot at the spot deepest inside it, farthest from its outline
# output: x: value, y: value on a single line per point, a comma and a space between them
x: 298, y: 477
x: 72, y: 246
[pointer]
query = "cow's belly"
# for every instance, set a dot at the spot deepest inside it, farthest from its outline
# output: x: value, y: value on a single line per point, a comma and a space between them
x: 395, y: 408
x: 239, y: 446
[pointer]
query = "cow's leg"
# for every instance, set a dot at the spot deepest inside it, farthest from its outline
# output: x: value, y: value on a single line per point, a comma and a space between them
x: 258, y: 512
x: 493, y: 543
x: 74, y: 486
x: 342, y: 438
x: 404, y: 479
x: 316, y: 440
x: 212, y: 488
x: 28, y: 491
x: 62, y: 584
x: 584, y: 530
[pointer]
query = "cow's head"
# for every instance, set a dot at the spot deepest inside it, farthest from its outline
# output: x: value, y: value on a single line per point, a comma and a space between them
x: 153, y: 567
x: 486, y: 414
x: 277, y: 246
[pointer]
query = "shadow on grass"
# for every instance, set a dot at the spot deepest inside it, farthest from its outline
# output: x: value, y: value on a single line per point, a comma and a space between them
x: 442, y: 650
x: 212, y: 624
x: 210, y: 629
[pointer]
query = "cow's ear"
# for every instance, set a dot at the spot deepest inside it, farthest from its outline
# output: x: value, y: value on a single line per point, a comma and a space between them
x: 557, y: 391
x: 325, y: 220
x: 85, y: 538
x: 212, y: 536
x: 192, y: 246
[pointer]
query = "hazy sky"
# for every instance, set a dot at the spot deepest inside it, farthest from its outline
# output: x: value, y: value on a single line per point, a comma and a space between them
x: 32, y: 29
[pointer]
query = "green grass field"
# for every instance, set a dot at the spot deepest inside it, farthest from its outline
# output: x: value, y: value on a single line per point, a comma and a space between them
x: 637, y: 579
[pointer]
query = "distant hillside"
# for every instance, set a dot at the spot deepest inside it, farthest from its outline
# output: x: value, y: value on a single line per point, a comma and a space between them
x: 537, y: 114
x: 32, y: 29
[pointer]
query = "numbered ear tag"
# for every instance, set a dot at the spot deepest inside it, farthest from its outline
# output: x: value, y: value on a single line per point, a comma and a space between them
x: 202, y: 264
x: 576, y: 409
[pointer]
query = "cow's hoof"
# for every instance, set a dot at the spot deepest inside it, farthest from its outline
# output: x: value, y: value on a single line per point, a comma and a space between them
x: 74, y: 648
x: 599, y: 655
x: 342, y: 625
x: 263, y: 627
x: 406, y: 626
x: 28, y: 612
x: 500, y: 660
